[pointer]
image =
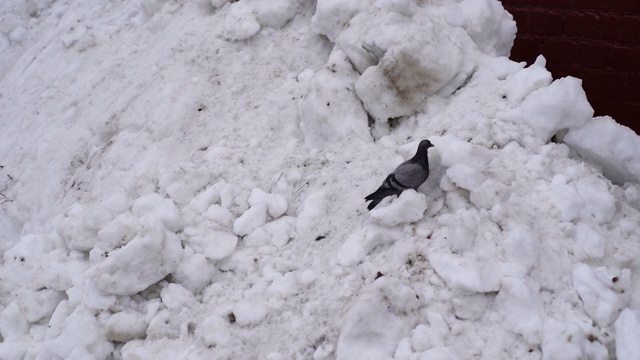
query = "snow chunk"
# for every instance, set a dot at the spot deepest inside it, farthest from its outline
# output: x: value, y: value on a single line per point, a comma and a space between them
x: 627, y: 335
x: 595, y: 288
x: 155, y: 207
x: 249, y: 313
x: 425, y: 337
x: 490, y: 26
x: 361, y: 242
x: 567, y: 201
x: 613, y: 146
x: 312, y: 211
x: 377, y: 321
x: 274, y: 13
x: 277, y: 232
x: 400, y: 65
x: 332, y: 15
x: 589, y: 243
x: 194, y: 272
x: 219, y: 214
x: 559, y: 106
x: 176, y: 297
x: 521, y: 309
x: 72, y: 229
x: 214, y: 331
x: 522, y: 83
x: 467, y: 273
x: 147, y: 259
x: 454, y: 151
x: 600, y: 205
x: 213, y: 242
x: 407, y: 208
x: 80, y: 334
x: 563, y: 341
x: 330, y: 110
x: 251, y: 219
x: 12, y: 322
x: 181, y: 185
x: 522, y: 246
x: 241, y: 22
x: 125, y: 326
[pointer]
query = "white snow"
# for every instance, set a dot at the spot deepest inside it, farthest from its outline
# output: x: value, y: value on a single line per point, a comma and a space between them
x: 187, y: 180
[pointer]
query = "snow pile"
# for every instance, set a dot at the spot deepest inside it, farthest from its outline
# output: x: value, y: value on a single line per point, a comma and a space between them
x: 186, y: 180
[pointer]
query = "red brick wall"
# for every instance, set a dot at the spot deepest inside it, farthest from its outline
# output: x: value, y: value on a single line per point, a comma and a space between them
x: 595, y: 40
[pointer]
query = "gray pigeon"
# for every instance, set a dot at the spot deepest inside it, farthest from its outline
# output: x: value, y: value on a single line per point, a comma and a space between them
x: 408, y: 175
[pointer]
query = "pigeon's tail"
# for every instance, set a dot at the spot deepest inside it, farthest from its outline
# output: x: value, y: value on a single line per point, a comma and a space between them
x: 378, y: 195
x: 373, y: 204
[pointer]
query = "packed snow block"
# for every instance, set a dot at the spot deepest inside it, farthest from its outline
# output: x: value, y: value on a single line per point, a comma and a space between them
x: 560, y: 106
x: 194, y: 272
x: 241, y: 22
x: 152, y: 207
x: 614, y: 147
x: 176, y: 297
x: 182, y: 185
x: 81, y: 337
x: 251, y: 219
x: 274, y: 13
x: 119, y: 231
x: 214, y: 331
x: 330, y: 109
x: 405, y: 55
x: 408, y: 74
x: 72, y: 227
x: 145, y: 260
x: 407, y: 208
x: 212, y: 241
x: 597, y: 289
x: 627, y: 335
x: 490, y: 26
x: 430, y: 335
x: 331, y: 16
x: 249, y: 313
x: 520, y: 309
x: 12, y: 322
x: 589, y: 243
x: 125, y: 326
x: 277, y: 232
x: 381, y: 316
x: 563, y: 341
x: 519, y: 85
x: 360, y: 243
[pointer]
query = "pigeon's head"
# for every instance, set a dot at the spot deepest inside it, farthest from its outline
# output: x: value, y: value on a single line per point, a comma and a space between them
x: 424, y: 145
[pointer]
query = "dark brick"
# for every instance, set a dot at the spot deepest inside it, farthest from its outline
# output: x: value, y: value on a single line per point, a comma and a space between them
x: 592, y: 54
x: 594, y: 4
x: 629, y: 30
x: 601, y: 83
x: 628, y: 5
x: 609, y: 23
x: 562, y: 4
x: 626, y: 59
x: 572, y: 25
x: 591, y: 25
x: 521, y: 17
x: 545, y: 22
x: 559, y: 51
x: 526, y: 48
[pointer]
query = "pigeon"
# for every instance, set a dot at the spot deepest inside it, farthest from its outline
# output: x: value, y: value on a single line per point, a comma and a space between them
x: 408, y: 175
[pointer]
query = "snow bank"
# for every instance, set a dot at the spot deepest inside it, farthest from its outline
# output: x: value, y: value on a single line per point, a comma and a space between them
x: 612, y: 146
x: 185, y: 180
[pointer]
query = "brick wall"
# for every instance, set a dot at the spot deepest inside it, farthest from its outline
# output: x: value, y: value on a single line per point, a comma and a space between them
x: 595, y: 40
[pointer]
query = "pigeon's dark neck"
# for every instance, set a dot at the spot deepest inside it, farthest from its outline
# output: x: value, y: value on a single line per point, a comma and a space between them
x: 420, y: 159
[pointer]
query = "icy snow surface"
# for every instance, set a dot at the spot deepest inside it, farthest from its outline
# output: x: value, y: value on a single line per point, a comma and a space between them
x: 185, y: 180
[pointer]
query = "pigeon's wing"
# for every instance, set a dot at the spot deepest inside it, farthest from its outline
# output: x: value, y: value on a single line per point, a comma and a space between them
x: 410, y: 175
